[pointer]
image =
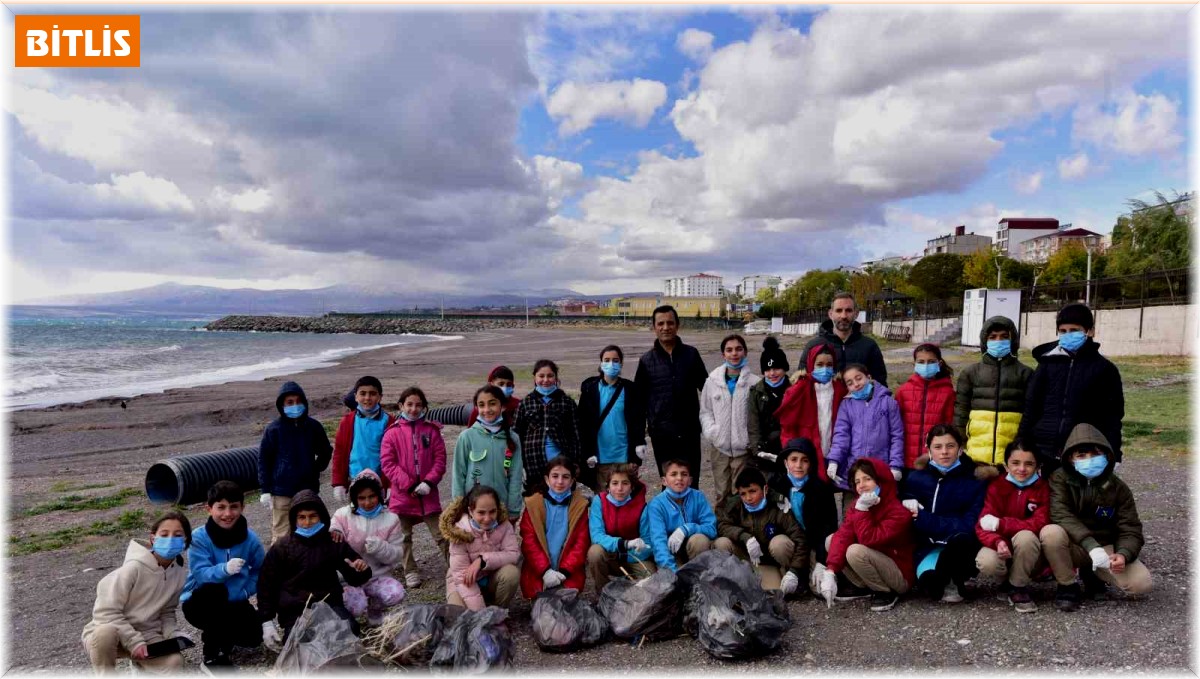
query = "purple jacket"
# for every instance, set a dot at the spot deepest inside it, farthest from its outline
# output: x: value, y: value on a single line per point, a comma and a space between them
x: 871, y: 428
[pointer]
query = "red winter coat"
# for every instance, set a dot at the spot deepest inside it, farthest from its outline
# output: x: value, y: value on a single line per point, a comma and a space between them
x: 573, y: 560
x: 1017, y: 508
x: 923, y: 403
x: 797, y: 413
x: 343, y: 442
x: 886, y: 527
x: 413, y: 452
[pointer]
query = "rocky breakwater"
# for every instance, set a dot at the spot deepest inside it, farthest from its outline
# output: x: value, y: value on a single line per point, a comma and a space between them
x: 395, y: 325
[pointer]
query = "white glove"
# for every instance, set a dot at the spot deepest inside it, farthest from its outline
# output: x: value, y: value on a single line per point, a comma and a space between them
x: 754, y: 550
x: 265, y: 498
x: 989, y: 523
x: 866, y: 501
x: 1099, y: 558
x: 387, y: 495
x: 912, y: 505
x: 422, y: 488
x: 552, y: 578
x: 234, y: 566
x: 342, y: 495
x: 785, y: 506
x: 373, y: 543
x: 271, y: 637
x: 831, y: 470
x: 769, y: 457
x: 896, y: 474
x: 828, y: 587
x: 591, y: 461
x: 640, y: 451
x: 790, y: 583
x: 676, y: 540
x: 635, y: 545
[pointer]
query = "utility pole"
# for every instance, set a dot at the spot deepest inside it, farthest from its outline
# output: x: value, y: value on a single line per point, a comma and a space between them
x: 997, y: 258
x: 526, y: 312
x: 1088, y: 290
x: 443, y: 307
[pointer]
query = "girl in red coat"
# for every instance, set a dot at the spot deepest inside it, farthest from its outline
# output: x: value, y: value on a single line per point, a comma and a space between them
x: 1015, y: 511
x: 926, y: 399
x: 554, y: 532
x: 874, y: 546
x: 810, y: 407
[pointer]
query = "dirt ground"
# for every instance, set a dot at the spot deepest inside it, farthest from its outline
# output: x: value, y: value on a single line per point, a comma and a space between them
x: 97, y: 449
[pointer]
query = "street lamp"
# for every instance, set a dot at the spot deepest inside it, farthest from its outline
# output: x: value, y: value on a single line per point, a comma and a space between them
x: 1087, y: 295
x: 997, y: 259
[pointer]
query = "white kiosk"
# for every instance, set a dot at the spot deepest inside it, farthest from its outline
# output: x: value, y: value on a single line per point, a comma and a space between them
x: 981, y: 304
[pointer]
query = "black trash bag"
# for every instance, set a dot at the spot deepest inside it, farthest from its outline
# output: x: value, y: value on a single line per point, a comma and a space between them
x: 477, y: 642
x: 421, y: 628
x: 320, y: 638
x: 649, y: 607
x: 729, y: 613
x: 564, y: 622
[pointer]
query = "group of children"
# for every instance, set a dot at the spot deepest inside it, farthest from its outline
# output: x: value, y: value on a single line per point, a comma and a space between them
x: 546, y: 493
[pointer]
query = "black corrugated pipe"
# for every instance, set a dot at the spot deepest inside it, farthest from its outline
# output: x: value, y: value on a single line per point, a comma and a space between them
x: 452, y: 415
x: 185, y: 479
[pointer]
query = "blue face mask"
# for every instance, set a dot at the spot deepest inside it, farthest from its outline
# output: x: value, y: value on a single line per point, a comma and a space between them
x: 999, y: 348
x: 758, y: 507
x: 1071, y: 341
x: 311, y: 530
x: 611, y: 369
x: 1092, y: 466
x: 736, y: 366
x: 798, y: 483
x: 168, y: 548
x: 620, y: 503
x: 940, y: 468
x: 927, y: 370
x: 371, y: 514
x: 559, y: 497
x: 1028, y: 482
x: 864, y: 393
x: 676, y: 496
x: 822, y: 375
x: 546, y: 391
x: 368, y: 413
x: 294, y: 411
x: 476, y: 526
x: 775, y: 383
x: 410, y: 418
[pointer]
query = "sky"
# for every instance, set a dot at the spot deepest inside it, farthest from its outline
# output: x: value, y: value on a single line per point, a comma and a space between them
x: 601, y: 150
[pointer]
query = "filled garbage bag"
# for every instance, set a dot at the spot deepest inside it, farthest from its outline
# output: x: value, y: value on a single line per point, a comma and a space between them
x: 476, y: 642
x: 649, y: 607
x: 727, y: 610
x: 321, y: 638
x: 564, y: 622
x: 409, y: 634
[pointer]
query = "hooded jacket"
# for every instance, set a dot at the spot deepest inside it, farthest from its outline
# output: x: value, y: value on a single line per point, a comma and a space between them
x: 663, y: 515
x: 799, y: 415
x: 491, y: 459
x: 725, y: 418
x: 590, y: 405
x: 297, y: 568
x: 1099, y: 511
x: 738, y: 524
x: 357, y: 528
x: 342, y: 466
x: 668, y: 385
x: 886, y: 528
x: 293, y: 452
x: 206, y: 563
x: 571, y: 560
x: 537, y: 419
x: 990, y: 397
x: 499, y: 547
x: 139, y: 598
x: 611, y: 527
x: 762, y: 426
x: 952, y: 502
x: 858, y: 348
x: 872, y: 428
x: 1067, y: 390
x: 1017, y: 508
x: 413, y: 452
x: 818, y: 515
x: 924, y: 403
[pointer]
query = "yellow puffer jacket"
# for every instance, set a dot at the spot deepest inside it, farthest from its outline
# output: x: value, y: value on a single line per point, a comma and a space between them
x: 980, y: 443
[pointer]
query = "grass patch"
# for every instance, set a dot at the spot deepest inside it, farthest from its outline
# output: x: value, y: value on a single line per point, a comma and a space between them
x: 134, y: 519
x: 331, y: 427
x: 69, y: 486
x: 1135, y: 369
x: 79, y: 503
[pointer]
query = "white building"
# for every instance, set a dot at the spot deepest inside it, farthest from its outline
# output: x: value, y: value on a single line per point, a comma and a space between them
x: 1013, y: 231
x: 750, y: 285
x: 696, y: 285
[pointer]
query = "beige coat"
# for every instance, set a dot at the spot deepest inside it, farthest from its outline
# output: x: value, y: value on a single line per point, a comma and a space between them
x: 139, y: 598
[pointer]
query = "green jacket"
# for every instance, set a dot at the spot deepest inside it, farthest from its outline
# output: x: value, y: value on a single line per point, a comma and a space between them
x: 990, y: 397
x: 479, y: 457
x: 1095, y: 512
x: 762, y: 427
x: 739, y: 525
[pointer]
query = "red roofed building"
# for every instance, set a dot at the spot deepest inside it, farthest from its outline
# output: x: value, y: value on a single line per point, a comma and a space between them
x: 1040, y: 249
x: 1015, y: 230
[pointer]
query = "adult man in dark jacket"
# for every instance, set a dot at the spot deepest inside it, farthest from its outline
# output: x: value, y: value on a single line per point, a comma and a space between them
x: 1073, y: 383
x: 668, y: 380
x: 845, y: 334
x: 294, y: 451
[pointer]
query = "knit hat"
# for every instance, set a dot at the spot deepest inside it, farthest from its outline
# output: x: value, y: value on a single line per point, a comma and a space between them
x: 772, y: 356
x: 367, y: 380
x: 1076, y: 314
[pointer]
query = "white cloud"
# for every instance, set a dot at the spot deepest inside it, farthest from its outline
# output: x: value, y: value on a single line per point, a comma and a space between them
x: 695, y: 44
x: 1075, y: 166
x: 560, y: 178
x: 579, y: 105
x: 138, y: 187
x: 250, y: 200
x: 1028, y: 184
x: 1132, y: 124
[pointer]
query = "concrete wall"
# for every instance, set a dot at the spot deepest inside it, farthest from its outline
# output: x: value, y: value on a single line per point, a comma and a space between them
x: 1165, y: 330
x: 922, y: 329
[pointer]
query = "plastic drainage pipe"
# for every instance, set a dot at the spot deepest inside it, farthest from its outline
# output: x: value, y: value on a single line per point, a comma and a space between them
x: 185, y: 479
x: 452, y: 415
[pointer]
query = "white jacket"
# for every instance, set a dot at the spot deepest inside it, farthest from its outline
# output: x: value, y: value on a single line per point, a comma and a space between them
x: 385, y: 526
x: 139, y: 598
x: 725, y: 419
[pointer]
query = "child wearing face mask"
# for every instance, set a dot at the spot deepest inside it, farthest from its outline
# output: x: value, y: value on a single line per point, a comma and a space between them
x: 371, y: 530
x: 413, y: 456
x: 502, y: 378
x: 725, y: 414
x: 868, y: 426
x: 680, y: 524
x: 612, y: 422
x: 488, y: 454
x: 1015, y: 511
x: 1095, y: 524
x: 616, y: 521
x: 484, y: 551
x: 356, y: 446
x: 810, y: 406
x: 554, y: 532
x: 990, y: 395
x: 547, y: 424
x: 810, y: 501
x: 765, y: 398
x: 926, y: 398
x: 757, y: 526
x: 1073, y: 384
x: 291, y: 456
x: 135, y: 604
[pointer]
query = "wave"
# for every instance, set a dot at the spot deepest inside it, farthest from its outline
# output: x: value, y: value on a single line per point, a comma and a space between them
x: 163, y: 350
x: 24, y: 385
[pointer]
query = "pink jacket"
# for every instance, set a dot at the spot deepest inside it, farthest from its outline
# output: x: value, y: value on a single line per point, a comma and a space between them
x: 499, y: 548
x: 413, y: 452
x: 357, y: 528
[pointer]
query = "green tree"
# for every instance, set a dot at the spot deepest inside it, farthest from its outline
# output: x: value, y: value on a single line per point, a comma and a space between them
x: 979, y: 271
x: 1069, y: 264
x: 814, y: 289
x: 938, y: 276
x: 1152, y: 237
x: 765, y: 295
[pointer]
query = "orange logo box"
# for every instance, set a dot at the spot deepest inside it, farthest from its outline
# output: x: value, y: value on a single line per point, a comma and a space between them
x: 79, y: 40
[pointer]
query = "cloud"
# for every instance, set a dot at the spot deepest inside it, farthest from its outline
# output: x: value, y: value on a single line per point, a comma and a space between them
x: 1028, y: 184
x: 593, y: 45
x: 1132, y: 124
x: 560, y: 178
x: 1074, y: 167
x: 579, y: 105
x: 695, y: 44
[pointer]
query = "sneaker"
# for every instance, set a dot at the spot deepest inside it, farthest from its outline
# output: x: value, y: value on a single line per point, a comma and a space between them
x: 1021, y: 601
x: 883, y: 601
x: 1004, y: 592
x: 1094, y: 588
x: 217, y: 664
x: 1067, y: 598
x: 412, y: 580
x: 950, y: 594
x: 851, y: 592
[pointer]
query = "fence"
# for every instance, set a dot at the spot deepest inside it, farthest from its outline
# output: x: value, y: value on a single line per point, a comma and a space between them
x: 1152, y: 288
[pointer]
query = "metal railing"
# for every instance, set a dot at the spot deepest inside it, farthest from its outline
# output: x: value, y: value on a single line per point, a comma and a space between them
x: 1152, y: 288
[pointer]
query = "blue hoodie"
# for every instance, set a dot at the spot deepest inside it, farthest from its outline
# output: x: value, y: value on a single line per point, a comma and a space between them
x: 293, y: 452
x: 206, y: 564
x: 663, y: 516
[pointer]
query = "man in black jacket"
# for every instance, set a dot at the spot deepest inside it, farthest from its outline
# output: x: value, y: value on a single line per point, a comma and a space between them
x: 845, y: 334
x: 668, y: 380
